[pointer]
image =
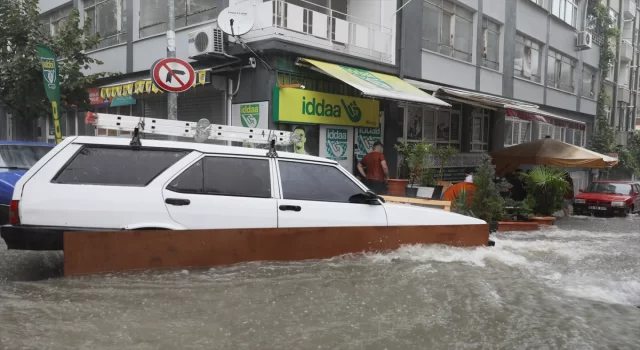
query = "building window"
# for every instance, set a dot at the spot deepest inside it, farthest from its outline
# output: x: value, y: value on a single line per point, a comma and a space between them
x: 579, y: 137
x: 491, y: 52
x: 447, y: 29
x: 560, y: 71
x: 588, y: 82
x: 566, y: 10
x: 436, y: 126
x: 153, y: 14
x: 538, y: 2
x: 516, y: 131
x: 527, y: 59
x: 109, y: 19
x: 553, y: 131
x: 480, y: 130
x: 51, y: 22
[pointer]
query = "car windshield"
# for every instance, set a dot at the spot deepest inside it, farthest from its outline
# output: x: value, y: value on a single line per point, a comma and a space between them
x: 20, y: 156
x: 609, y: 188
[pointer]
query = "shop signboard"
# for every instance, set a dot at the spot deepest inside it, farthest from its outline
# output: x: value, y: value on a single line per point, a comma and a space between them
x: 144, y: 86
x: 97, y: 101
x: 336, y: 143
x: 313, y: 107
x: 456, y: 174
x: 250, y: 115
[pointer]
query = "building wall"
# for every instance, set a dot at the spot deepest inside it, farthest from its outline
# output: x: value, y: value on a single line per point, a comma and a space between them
x: 517, y: 17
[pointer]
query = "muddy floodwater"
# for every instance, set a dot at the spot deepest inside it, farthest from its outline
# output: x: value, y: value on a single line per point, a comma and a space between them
x: 574, y: 286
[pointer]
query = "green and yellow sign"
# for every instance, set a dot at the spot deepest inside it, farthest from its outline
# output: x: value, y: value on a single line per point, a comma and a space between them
x: 312, y: 107
x: 51, y: 85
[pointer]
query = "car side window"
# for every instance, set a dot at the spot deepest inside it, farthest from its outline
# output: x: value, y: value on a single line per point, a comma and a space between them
x: 223, y: 176
x: 315, y: 182
x: 244, y: 177
x: 190, y: 181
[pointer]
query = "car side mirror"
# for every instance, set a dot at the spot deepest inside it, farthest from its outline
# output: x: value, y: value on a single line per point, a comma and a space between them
x: 366, y: 198
x: 636, y: 193
x: 581, y: 190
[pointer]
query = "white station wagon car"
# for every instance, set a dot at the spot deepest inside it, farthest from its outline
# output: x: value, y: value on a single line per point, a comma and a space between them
x: 103, y: 184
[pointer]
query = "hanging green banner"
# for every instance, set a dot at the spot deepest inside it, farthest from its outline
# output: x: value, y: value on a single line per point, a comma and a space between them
x: 51, y: 85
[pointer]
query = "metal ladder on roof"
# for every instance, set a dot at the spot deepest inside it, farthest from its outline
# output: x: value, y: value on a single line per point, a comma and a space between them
x: 199, y: 131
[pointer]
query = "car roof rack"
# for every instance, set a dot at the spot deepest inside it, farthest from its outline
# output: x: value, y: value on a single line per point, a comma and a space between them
x: 199, y: 131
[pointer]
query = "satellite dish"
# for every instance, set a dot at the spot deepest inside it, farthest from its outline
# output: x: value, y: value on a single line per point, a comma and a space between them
x: 202, y: 131
x: 236, y: 20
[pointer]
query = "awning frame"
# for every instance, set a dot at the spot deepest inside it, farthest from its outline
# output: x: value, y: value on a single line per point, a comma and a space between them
x: 396, y: 92
x: 500, y: 102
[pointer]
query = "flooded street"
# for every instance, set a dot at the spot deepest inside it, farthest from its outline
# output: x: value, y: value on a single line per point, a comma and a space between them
x: 574, y: 286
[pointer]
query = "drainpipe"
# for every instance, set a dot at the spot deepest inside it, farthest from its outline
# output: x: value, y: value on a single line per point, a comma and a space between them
x: 614, y: 98
x: 402, y: 38
x: 634, y: 83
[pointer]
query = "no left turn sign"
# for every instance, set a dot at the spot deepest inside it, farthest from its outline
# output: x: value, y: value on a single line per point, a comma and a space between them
x: 172, y: 74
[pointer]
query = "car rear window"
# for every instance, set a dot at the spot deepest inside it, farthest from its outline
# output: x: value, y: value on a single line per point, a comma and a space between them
x: 119, y: 166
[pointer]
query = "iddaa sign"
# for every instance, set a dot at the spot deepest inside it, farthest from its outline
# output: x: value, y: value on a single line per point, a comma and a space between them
x: 312, y: 107
x: 337, y: 144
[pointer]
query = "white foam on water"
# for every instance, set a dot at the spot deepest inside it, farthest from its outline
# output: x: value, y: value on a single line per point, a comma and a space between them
x: 603, y: 288
x: 439, y: 253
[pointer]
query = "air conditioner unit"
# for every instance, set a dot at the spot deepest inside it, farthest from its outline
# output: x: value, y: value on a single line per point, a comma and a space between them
x: 206, y: 41
x: 584, y: 40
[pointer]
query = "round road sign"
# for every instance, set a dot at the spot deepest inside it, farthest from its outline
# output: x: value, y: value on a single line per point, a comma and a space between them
x: 172, y: 74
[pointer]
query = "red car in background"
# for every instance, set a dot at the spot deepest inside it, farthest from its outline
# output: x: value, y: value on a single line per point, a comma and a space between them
x: 608, y: 197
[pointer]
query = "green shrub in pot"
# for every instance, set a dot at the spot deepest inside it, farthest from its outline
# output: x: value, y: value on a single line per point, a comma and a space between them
x: 487, y: 203
x: 546, y: 187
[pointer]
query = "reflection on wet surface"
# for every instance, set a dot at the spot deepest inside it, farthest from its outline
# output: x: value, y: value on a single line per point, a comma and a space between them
x: 574, y: 286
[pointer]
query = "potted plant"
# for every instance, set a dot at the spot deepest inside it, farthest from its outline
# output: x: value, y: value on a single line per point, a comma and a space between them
x: 417, y: 161
x: 516, y: 217
x: 443, y: 156
x: 487, y: 203
x: 463, y: 203
x: 427, y: 181
x: 398, y: 186
x: 546, y: 187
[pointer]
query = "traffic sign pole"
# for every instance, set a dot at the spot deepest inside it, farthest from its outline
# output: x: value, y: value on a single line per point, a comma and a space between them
x: 172, y: 98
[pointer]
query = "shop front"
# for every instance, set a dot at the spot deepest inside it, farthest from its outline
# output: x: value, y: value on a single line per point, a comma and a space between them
x: 478, y: 123
x: 344, y: 127
x: 142, y: 98
x: 328, y: 124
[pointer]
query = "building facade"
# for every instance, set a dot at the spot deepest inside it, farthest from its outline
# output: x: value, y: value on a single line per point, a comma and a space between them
x: 622, y: 82
x: 511, y: 70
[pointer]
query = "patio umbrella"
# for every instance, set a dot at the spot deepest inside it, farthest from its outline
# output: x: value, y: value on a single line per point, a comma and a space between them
x: 549, y: 152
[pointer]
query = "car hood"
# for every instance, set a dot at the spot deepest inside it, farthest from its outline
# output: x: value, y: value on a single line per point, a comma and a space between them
x: 409, y: 215
x: 8, y: 181
x: 603, y: 197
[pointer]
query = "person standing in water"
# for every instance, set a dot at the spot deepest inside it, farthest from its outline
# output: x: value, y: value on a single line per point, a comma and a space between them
x: 376, y: 169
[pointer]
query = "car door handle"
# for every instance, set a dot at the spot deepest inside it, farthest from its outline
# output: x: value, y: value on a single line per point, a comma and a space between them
x: 177, y: 201
x: 290, y: 208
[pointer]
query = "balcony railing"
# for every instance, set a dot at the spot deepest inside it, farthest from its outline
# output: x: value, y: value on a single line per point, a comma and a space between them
x: 629, y: 9
x: 626, y: 51
x: 323, y: 27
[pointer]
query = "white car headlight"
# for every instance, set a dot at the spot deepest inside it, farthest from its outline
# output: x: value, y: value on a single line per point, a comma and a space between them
x: 618, y: 204
x: 579, y: 201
